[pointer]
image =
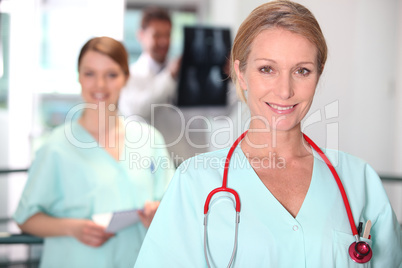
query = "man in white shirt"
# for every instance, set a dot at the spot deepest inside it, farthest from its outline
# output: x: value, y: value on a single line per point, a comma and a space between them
x: 152, y: 80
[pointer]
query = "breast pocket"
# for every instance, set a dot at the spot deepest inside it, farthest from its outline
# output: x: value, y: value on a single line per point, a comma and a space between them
x: 340, y: 250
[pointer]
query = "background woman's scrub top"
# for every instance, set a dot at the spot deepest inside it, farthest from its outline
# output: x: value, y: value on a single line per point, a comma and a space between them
x: 72, y: 177
x: 269, y: 236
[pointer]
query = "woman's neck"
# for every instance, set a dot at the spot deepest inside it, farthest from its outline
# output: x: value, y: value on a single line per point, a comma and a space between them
x: 263, y: 142
x: 99, y: 122
x: 106, y: 129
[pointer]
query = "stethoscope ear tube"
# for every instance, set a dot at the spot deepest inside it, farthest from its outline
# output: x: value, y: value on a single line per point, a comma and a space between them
x: 234, y: 243
x: 237, y: 207
x: 222, y: 189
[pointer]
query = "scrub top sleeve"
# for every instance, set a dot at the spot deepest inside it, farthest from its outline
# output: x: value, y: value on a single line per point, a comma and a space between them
x: 386, y: 231
x: 41, y: 190
x: 387, y: 240
x: 173, y: 239
x: 163, y: 167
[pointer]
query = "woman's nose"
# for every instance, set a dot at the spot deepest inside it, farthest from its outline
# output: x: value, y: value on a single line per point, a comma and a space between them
x: 100, y: 82
x: 284, y: 87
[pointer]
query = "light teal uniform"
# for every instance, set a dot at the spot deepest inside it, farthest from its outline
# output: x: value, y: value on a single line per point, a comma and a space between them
x: 269, y: 236
x: 68, y: 181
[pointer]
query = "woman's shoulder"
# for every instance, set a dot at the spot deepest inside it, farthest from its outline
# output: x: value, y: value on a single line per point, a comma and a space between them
x: 69, y: 134
x: 198, y: 175
x: 56, y: 136
x: 353, y: 167
x: 342, y: 158
x: 52, y: 144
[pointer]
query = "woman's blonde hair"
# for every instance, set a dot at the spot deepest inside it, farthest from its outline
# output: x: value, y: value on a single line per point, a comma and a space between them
x: 283, y: 14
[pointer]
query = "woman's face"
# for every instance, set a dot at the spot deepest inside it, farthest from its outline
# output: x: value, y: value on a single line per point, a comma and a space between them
x: 280, y: 77
x: 101, y: 78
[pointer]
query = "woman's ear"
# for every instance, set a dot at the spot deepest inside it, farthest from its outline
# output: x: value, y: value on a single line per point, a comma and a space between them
x: 239, y: 75
x: 322, y: 69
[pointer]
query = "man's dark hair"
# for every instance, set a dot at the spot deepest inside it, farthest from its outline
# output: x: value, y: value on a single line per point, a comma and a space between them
x: 154, y: 13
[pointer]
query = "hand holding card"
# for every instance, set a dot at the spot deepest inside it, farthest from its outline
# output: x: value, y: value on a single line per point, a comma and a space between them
x: 116, y: 221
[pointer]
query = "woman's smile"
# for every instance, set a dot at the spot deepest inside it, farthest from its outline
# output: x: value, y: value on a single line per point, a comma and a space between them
x: 99, y: 96
x: 281, y: 109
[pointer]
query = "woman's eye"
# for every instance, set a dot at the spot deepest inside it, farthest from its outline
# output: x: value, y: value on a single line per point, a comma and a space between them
x: 88, y: 74
x: 112, y: 75
x: 303, y: 71
x: 266, y: 69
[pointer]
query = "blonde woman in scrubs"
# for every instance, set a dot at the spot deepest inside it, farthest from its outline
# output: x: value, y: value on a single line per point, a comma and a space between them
x: 292, y: 212
x: 96, y: 164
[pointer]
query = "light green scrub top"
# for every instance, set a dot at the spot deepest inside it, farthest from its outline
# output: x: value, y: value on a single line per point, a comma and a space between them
x: 269, y: 236
x: 73, y: 177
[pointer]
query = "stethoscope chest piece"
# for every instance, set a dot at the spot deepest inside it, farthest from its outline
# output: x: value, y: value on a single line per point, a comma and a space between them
x: 360, y: 252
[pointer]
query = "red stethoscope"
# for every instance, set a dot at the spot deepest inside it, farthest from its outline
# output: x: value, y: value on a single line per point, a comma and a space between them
x: 359, y: 251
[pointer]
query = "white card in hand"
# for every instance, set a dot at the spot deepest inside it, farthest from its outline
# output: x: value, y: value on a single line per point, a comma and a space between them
x: 116, y: 221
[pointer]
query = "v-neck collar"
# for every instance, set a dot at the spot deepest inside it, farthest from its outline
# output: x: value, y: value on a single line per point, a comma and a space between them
x: 89, y: 138
x: 264, y: 191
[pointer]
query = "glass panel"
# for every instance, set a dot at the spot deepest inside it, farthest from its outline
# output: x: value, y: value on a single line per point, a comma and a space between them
x: 59, y: 50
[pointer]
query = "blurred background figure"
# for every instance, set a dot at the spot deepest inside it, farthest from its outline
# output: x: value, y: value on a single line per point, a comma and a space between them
x: 153, y: 78
x: 91, y: 165
x: 151, y: 92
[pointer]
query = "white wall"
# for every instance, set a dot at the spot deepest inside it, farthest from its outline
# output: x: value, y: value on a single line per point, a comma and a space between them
x: 398, y: 100
x: 395, y: 191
